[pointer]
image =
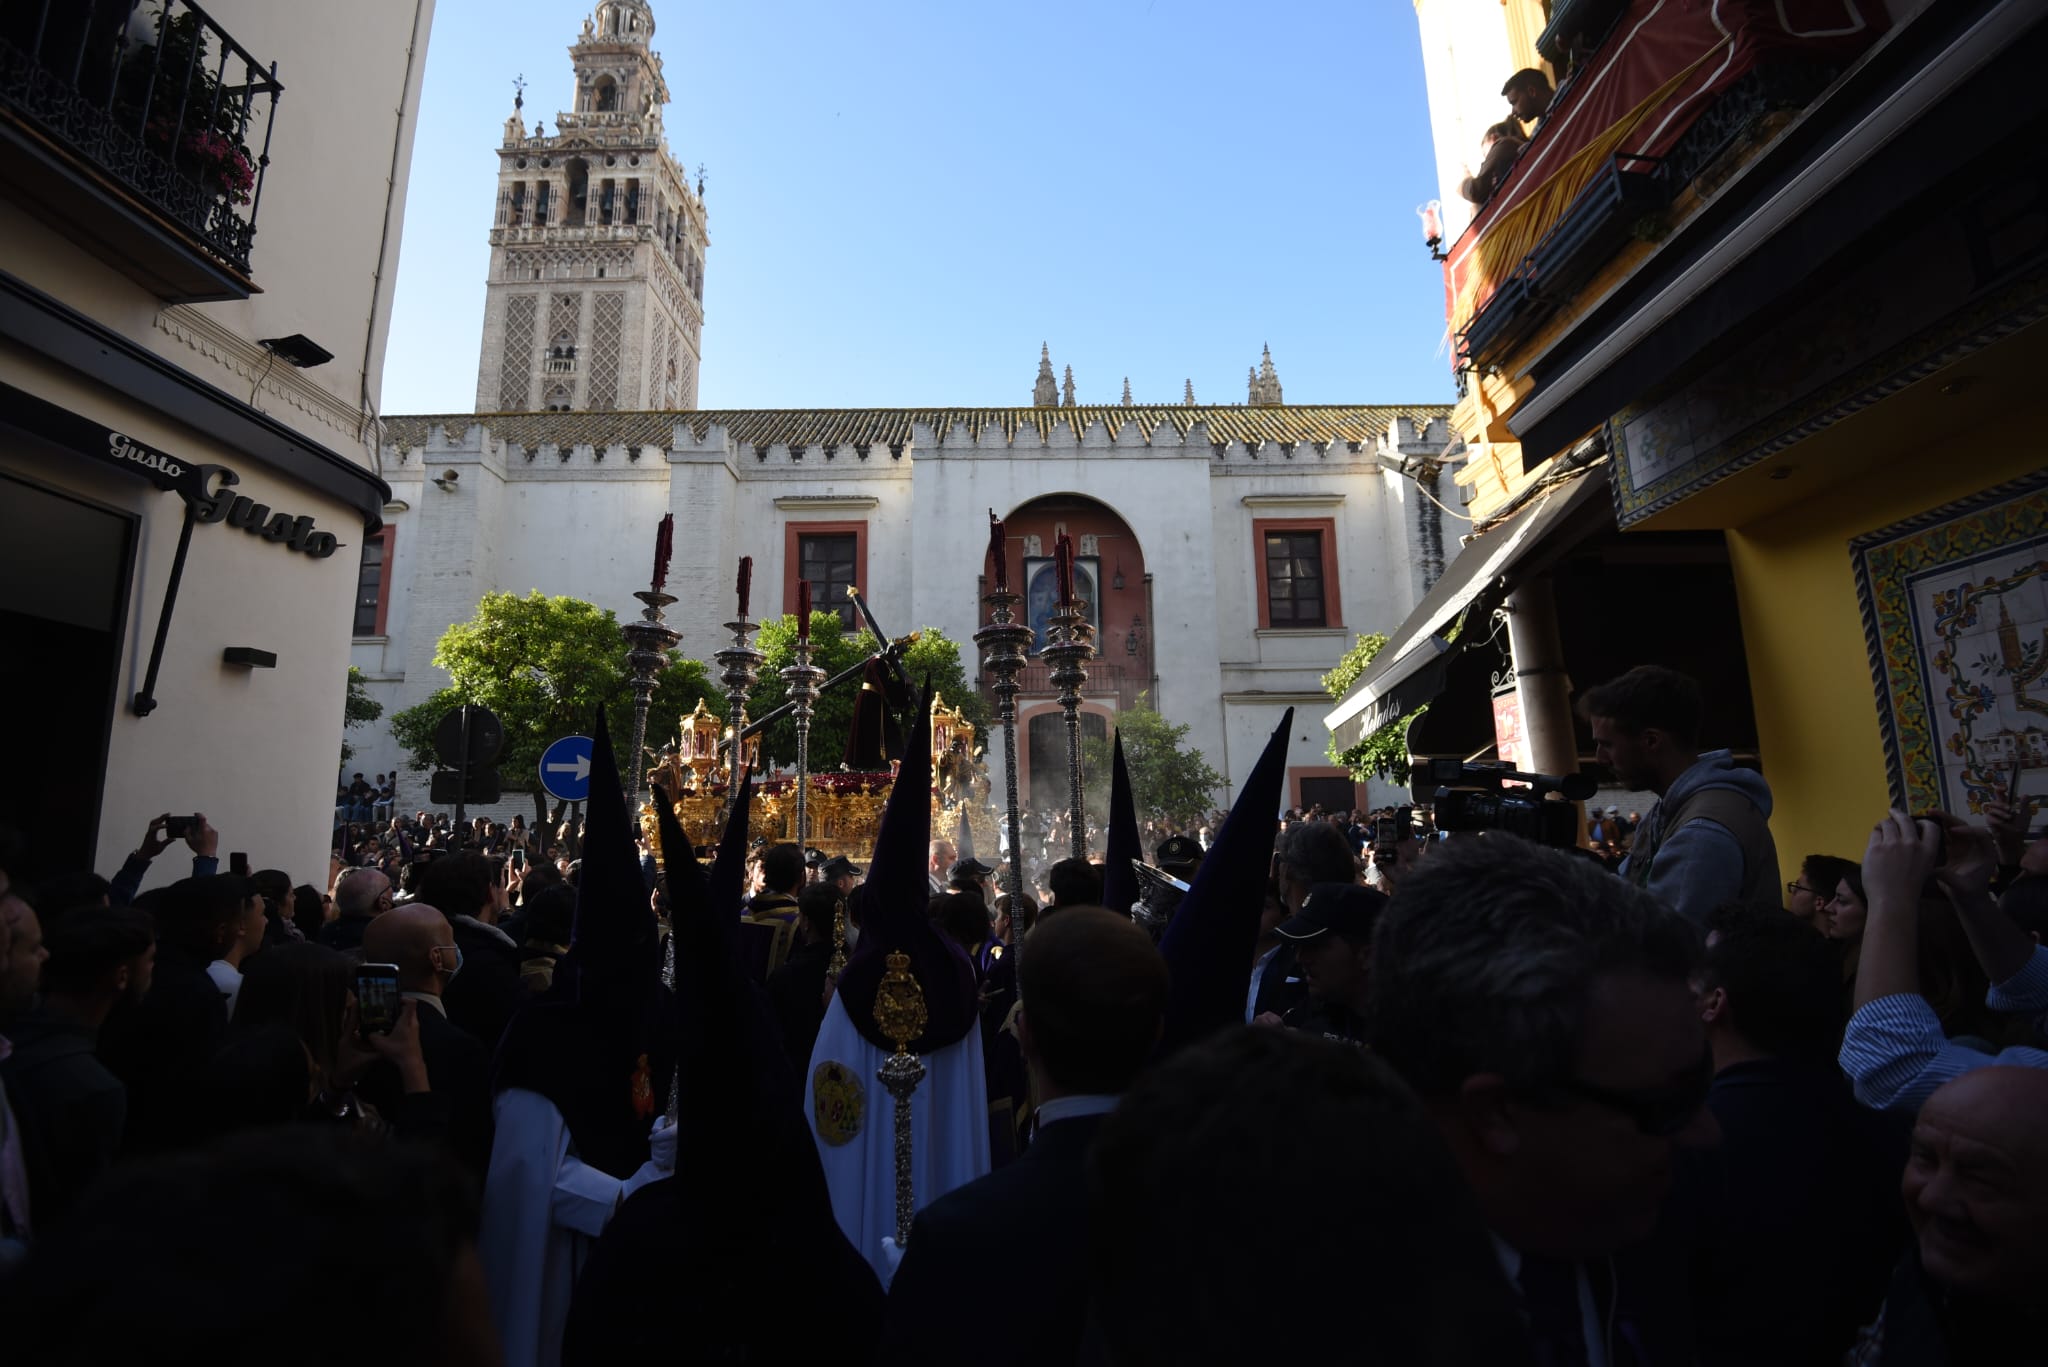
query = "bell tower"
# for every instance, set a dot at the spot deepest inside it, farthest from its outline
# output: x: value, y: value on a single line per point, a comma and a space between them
x: 595, y: 299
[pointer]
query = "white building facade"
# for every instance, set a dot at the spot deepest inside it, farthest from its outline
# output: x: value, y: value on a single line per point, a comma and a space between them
x: 195, y: 294
x: 1235, y: 551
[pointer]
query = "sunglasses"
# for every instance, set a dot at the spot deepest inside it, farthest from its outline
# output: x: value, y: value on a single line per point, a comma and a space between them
x: 1658, y: 1112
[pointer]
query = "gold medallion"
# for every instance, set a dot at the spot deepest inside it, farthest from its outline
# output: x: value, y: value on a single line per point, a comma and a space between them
x: 838, y: 1102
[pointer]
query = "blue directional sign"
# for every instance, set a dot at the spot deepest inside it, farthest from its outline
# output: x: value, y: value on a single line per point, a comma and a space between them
x: 565, y: 769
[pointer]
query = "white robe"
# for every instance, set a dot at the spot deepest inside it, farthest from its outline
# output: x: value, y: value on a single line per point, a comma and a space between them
x: 948, y: 1126
x: 543, y: 1209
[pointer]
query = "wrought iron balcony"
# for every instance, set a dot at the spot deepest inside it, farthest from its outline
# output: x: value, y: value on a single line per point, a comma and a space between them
x: 1114, y: 684
x: 141, y: 128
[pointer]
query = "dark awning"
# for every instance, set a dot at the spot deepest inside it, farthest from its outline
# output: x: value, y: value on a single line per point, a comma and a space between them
x: 1409, y: 670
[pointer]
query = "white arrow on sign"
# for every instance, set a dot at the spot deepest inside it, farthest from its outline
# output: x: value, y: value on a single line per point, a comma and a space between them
x: 581, y: 768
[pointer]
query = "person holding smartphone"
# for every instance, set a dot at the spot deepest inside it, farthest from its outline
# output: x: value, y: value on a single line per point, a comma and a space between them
x: 1894, y: 1050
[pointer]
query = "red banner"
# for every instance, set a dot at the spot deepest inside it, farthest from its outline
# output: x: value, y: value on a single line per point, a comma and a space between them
x: 1664, y: 64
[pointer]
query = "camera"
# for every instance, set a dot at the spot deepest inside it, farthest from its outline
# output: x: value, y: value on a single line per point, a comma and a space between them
x: 1159, y: 896
x: 1474, y: 797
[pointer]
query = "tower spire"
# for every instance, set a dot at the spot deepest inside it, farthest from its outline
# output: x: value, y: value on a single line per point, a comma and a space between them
x: 1127, y: 391
x: 1265, y: 381
x: 1067, y: 391
x: 1187, y: 397
x: 1045, y: 394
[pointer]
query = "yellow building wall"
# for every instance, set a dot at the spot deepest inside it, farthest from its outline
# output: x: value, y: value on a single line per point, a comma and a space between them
x: 1809, y: 667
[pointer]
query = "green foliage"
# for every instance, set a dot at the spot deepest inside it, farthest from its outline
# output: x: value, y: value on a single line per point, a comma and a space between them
x: 357, y: 708
x: 545, y: 665
x: 834, y: 651
x: 1383, y: 753
x: 1170, y: 785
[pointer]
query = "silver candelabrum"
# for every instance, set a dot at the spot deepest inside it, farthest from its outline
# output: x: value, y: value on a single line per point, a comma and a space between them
x: 650, y: 640
x: 803, y: 679
x: 739, y: 667
x: 1006, y: 645
x: 1069, y: 643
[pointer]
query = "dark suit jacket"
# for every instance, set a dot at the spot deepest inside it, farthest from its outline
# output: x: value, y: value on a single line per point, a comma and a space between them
x: 70, y: 1108
x: 458, y: 1078
x: 158, y: 1046
x: 345, y: 933
x: 1803, y: 1179
x: 1033, y: 1213
x: 487, y: 991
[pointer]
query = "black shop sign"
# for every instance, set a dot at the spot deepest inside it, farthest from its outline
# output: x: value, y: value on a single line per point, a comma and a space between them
x: 208, y: 490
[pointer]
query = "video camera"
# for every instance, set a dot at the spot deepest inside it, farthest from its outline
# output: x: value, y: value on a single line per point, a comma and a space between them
x: 1473, y: 797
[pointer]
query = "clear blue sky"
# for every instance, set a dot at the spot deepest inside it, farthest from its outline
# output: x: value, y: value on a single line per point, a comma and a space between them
x: 906, y: 198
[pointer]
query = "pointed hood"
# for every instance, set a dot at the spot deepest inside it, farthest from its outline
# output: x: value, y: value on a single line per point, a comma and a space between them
x: 1119, y: 880
x: 597, y: 1046
x: 1208, y: 947
x: 614, y: 949
x: 963, y: 844
x: 890, y: 907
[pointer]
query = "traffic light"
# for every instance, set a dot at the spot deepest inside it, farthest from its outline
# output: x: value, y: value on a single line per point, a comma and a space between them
x: 467, y: 741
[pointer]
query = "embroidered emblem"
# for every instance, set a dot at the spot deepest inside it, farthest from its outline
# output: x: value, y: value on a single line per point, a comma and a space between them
x: 838, y: 1102
x: 642, y: 1090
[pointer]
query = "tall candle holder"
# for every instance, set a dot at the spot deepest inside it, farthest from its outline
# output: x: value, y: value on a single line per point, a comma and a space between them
x: 650, y: 640
x: 1006, y: 643
x: 739, y: 667
x: 803, y: 679
x: 1070, y: 641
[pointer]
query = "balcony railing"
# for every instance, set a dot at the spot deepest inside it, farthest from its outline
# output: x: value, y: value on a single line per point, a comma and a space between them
x: 143, y: 126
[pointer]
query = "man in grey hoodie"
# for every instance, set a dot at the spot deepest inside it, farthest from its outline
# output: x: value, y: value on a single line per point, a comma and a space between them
x: 1708, y: 840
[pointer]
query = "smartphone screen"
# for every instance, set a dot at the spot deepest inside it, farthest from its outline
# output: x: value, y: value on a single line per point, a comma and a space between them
x: 376, y: 998
x: 238, y: 864
x: 1384, y: 836
x: 2012, y: 789
x: 519, y: 859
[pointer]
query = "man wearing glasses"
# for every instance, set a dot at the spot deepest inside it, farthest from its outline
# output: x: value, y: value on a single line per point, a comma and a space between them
x: 1543, y: 1010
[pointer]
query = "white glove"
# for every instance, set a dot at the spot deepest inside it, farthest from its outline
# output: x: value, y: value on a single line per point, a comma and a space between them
x: 661, y: 1146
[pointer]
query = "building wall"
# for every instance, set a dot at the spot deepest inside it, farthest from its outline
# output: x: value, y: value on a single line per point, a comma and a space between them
x: 584, y: 527
x: 252, y: 749
x: 1809, y: 665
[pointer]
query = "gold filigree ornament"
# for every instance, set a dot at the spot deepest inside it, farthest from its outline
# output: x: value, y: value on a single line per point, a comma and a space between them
x: 838, y: 1102
x: 899, y: 1003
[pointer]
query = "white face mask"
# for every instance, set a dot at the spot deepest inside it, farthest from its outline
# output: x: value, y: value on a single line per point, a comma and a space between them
x: 456, y: 950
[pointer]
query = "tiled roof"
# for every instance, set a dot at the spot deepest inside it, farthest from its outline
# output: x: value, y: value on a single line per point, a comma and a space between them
x: 886, y: 426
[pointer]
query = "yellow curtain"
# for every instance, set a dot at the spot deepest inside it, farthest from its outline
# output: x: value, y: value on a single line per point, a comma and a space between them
x: 1506, y: 240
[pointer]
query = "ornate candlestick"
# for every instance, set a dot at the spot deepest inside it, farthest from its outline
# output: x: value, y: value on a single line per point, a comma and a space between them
x: 1070, y: 641
x: 650, y: 640
x: 803, y: 679
x: 1006, y: 643
x: 900, y: 1014
x: 739, y: 668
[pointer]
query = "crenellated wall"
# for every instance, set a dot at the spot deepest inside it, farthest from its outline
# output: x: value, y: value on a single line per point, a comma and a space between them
x: 567, y: 504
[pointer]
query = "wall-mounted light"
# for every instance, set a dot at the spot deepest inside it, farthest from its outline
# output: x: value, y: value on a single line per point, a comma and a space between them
x: 1135, y: 637
x: 297, y: 350
x: 1432, y: 218
x: 1117, y: 580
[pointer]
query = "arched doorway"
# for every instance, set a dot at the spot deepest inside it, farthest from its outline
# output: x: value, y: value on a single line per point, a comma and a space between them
x: 1109, y: 576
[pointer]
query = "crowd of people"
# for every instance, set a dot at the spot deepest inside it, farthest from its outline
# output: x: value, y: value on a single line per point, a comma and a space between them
x: 1338, y: 1085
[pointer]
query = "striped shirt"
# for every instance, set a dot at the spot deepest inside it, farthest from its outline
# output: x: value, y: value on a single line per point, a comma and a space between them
x: 1896, y: 1055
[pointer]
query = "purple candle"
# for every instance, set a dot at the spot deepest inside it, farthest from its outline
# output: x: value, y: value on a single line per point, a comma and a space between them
x: 746, y: 581
x: 995, y: 550
x: 664, y: 546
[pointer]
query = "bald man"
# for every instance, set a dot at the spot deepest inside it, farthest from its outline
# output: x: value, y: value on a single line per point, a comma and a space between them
x: 419, y: 940
x: 1976, y: 1189
x: 360, y: 897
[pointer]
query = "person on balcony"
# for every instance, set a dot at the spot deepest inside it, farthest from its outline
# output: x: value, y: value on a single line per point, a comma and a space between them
x: 1529, y: 94
x: 1498, y: 149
